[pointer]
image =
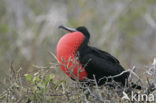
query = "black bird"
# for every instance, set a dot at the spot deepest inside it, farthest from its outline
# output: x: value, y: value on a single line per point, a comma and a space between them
x: 98, y: 64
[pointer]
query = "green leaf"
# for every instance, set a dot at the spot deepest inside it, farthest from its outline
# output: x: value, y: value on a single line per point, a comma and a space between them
x: 63, y: 81
x: 51, y: 76
x: 36, y: 79
x: 28, y: 77
x: 41, y: 85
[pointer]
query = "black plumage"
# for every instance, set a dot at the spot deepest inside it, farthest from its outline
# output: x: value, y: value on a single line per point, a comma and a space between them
x: 99, y: 63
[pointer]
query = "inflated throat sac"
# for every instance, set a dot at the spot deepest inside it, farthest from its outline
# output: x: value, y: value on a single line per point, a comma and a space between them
x: 66, y: 54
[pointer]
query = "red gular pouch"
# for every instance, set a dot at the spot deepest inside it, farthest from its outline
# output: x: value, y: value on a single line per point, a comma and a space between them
x: 66, y: 54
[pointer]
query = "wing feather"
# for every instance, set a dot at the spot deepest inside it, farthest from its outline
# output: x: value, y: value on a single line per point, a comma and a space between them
x: 100, y: 64
x: 104, y: 55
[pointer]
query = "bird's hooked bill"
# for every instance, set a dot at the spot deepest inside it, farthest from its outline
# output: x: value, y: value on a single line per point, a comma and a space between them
x: 67, y: 28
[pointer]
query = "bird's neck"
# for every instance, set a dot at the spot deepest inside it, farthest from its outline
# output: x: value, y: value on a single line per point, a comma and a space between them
x: 83, y: 48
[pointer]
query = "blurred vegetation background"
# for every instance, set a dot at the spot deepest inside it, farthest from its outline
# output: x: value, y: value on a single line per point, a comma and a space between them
x: 29, y: 30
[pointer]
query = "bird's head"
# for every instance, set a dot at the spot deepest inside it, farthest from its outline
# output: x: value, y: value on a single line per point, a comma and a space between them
x: 81, y: 29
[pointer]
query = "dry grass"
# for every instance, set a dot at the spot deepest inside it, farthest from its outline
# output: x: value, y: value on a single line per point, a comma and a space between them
x: 42, y: 86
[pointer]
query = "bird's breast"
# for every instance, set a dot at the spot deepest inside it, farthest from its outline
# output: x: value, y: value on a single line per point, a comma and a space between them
x: 66, y: 54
